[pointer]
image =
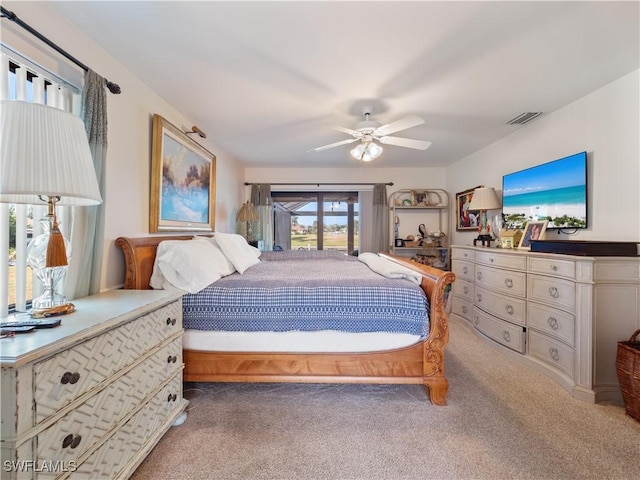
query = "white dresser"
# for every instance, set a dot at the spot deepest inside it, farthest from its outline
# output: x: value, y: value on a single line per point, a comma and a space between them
x: 91, y: 397
x: 562, y: 314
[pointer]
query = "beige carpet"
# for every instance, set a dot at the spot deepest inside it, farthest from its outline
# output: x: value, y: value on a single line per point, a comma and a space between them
x: 503, y: 421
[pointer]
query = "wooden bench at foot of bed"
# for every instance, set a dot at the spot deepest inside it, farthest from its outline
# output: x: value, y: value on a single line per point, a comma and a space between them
x: 422, y: 363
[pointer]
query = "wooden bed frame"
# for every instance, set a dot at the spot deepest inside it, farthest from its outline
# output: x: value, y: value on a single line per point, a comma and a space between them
x: 422, y: 363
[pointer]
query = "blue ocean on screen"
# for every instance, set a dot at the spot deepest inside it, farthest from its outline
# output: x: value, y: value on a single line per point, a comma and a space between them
x: 566, y: 195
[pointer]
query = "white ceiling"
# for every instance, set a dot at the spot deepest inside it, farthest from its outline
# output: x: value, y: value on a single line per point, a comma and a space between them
x: 265, y: 80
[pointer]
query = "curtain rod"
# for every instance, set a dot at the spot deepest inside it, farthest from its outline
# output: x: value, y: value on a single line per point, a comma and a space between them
x: 113, y: 87
x: 318, y: 184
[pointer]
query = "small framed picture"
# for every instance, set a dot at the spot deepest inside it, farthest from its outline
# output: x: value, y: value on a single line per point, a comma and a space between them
x: 466, y: 219
x: 532, y: 231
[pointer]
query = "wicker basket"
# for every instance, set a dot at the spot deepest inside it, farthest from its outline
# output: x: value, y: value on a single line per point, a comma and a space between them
x: 628, y: 368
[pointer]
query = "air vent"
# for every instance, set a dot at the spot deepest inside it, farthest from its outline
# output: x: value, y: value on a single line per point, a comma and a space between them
x: 523, y: 118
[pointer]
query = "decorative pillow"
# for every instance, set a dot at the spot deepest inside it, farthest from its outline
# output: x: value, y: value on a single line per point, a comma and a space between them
x: 189, y: 265
x: 237, y: 250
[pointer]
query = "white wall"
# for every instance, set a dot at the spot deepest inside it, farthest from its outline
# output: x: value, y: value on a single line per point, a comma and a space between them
x: 129, y: 116
x: 606, y: 124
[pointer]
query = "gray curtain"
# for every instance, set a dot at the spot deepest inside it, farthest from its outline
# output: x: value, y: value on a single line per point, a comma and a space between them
x: 380, y: 219
x: 87, y: 234
x: 261, y: 199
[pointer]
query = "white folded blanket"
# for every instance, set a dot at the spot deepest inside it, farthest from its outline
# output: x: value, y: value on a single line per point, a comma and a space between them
x: 387, y: 268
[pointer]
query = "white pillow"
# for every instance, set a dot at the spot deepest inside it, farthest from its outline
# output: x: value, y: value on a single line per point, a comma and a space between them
x: 237, y: 250
x: 225, y: 265
x: 157, y: 280
x: 189, y: 265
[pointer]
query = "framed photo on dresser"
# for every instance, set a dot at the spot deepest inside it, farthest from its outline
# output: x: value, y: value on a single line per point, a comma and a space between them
x: 532, y: 231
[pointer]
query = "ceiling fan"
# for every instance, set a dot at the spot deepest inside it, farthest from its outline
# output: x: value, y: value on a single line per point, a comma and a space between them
x: 368, y: 131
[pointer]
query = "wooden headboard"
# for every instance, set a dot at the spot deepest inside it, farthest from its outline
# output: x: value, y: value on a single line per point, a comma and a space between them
x: 139, y: 257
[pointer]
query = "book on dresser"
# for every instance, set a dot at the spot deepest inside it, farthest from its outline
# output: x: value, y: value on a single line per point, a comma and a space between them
x: 104, y: 386
x: 561, y: 314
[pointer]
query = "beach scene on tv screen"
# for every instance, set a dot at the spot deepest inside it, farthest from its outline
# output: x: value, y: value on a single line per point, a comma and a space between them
x: 554, y: 191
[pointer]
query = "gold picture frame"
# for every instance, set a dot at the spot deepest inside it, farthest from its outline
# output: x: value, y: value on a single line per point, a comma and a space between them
x: 183, y: 181
x: 534, y: 230
x: 466, y: 219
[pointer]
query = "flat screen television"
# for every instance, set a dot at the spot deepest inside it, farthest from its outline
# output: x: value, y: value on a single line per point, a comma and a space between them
x: 555, y: 191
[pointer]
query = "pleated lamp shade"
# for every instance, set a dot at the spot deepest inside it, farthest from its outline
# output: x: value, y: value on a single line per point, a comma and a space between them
x: 44, y: 152
x: 247, y: 213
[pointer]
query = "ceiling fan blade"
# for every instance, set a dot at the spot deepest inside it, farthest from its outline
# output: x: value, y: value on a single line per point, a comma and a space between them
x: 402, y: 124
x: 405, y: 142
x: 353, y: 133
x: 331, y: 145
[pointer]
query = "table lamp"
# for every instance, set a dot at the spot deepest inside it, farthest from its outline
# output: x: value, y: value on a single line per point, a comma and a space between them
x: 483, y: 199
x: 45, y: 157
x: 247, y: 215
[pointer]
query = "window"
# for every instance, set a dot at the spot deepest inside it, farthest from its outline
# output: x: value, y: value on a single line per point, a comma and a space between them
x: 19, y: 223
x: 317, y: 220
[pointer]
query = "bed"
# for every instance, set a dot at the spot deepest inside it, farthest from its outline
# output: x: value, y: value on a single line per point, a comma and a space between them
x: 421, y: 362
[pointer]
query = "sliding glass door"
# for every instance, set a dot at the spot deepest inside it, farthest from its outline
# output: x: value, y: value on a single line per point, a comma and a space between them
x: 317, y: 220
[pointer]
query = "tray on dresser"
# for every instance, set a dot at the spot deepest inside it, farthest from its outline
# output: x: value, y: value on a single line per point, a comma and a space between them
x: 586, y: 248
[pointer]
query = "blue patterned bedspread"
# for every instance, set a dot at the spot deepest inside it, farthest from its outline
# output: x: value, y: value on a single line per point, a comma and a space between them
x: 307, y: 291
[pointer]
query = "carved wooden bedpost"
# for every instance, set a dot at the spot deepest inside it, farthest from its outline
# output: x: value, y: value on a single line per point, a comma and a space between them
x: 434, y: 379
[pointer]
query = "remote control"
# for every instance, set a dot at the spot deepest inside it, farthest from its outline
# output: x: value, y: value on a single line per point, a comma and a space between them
x: 16, y: 329
x: 31, y: 322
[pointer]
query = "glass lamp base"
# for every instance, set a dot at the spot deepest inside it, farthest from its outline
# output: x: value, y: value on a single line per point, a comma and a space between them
x: 53, y: 311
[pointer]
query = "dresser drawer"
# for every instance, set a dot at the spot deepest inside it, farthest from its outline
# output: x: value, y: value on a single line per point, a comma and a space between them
x: 505, y: 281
x: 115, y: 453
x: 551, y: 351
x: 462, y: 254
x: 463, y: 288
x: 552, y: 291
x: 496, y: 259
x: 463, y: 270
x: 96, y: 417
x: 462, y: 307
x: 503, y: 332
x: 555, y: 267
x: 508, y: 308
x: 556, y: 323
x: 69, y: 374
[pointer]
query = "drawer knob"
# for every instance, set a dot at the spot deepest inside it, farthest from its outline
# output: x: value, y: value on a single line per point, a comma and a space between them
x: 554, y: 268
x: 479, y: 297
x: 508, y: 282
x: 506, y: 335
x: 479, y: 275
x: 554, y: 353
x: 491, y: 260
x: 465, y: 270
x: 476, y: 320
x: 509, y: 309
x: 464, y: 309
x: 68, y: 377
x: 172, y: 397
x: 71, y: 440
x: 172, y: 359
x: 553, y: 291
x: 553, y: 322
x: 466, y: 290
x: 171, y: 321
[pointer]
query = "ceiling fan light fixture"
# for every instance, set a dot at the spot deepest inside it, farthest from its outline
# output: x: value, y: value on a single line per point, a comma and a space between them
x: 366, y: 151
